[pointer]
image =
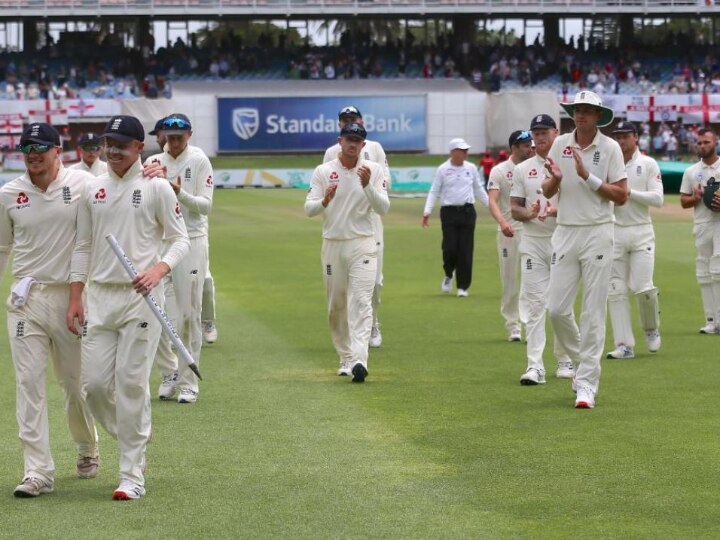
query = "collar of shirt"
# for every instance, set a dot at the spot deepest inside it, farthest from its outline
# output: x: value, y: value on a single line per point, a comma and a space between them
x: 56, y: 184
x: 180, y: 157
x: 595, y: 142
x: 134, y: 170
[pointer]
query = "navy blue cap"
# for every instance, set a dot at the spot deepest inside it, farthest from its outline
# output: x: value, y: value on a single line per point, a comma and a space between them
x: 124, y: 128
x: 625, y: 127
x: 542, y: 121
x: 353, y: 130
x: 157, y: 128
x: 518, y: 136
x: 40, y: 133
x: 89, y: 139
x: 349, y: 110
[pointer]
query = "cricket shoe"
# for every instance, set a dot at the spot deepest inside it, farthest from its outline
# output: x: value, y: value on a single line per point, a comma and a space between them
x: 344, y: 370
x: 168, y: 386
x: 462, y: 293
x: 375, y: 337
x: 532, y: 376
x: 128, y: 491
x: 565, y: 369
x: 653, y: 340
x: 32, y: 487
x: 359, y: 372
x: 446, y: 285
x: 585, y: 398
x: 710, y: 328
x: 187, y: 395
x: 622, y: 352
x: 210, y: 333
x: 87, y: 466
x: 515, y: 335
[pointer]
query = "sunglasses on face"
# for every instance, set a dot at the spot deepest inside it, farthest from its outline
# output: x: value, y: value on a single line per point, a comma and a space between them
x: 91, y: 148
x: 35, y: 147
x: 177, y: 123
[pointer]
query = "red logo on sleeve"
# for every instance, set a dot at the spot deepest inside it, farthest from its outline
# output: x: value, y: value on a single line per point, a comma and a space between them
x: 178, y: 213
x: 209, y: 181
x: 22, y: 198
x: 100, y: 194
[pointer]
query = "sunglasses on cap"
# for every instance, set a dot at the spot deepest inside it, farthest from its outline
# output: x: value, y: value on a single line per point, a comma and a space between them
x: 35, y: 147
x: 177, y: 123
x: 524, y: 136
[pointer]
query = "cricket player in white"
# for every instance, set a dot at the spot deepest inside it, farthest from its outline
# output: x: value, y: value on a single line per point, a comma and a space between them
x: 347, y: 191
x: 586, y: 169
x: 372, y: 151
x: 90, y: 147
x: 122, y: 333
x: 706, y: 228
x: 191, y: 177
x: 634, y: 258
x: 38, y: 223
x: 509, y: 230
x: 538, y: 215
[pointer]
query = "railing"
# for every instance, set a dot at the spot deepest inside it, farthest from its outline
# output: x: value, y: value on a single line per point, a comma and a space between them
x: 66, y: 8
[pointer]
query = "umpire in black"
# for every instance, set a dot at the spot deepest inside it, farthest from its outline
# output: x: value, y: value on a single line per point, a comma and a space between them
x: 457, y: 184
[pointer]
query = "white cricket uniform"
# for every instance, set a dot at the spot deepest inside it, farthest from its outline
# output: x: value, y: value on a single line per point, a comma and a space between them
x: 501, y: 179
x: 349, y: 252
x: 193, y: 167
x: 122, y: 332
x: 535, y: 256
x: 583, y: 250
x: 98, y: 167
x: 634, y: 251
x: 39, y: 229
x: 706, y: 229
x: 372, y: 151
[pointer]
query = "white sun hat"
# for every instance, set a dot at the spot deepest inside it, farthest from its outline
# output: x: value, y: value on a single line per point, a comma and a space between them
x: 585, y: 97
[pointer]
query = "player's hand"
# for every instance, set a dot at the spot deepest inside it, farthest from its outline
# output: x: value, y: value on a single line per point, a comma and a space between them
x: 154, y: 170
x: 507, y: 229
x: 553, y: 169
x: 364, y: 174
x: 75, y: 312
x: 580, y: 166
x: 534, y: 211
x: 177, y: 185
x: 148, y: 279
x: 425, y: 221
x: 698, y: 195
x: 329, y: 194
x: 550, y: 210
x: 715, y: 205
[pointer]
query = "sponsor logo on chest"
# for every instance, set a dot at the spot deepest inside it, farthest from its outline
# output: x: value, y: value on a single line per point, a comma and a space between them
x: 22, y: 200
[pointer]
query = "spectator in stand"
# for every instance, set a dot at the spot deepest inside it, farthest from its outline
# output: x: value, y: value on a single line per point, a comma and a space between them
x: 658, y: 144
x: 487, y: 163
x: 672, y: 146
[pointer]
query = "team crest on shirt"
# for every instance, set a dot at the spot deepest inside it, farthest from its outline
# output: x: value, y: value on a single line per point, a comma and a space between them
x: 638, y: 171
x: 596, y: 157
x: 23, y: 201
x: 100, y: 196
x: 188, y: 174
x: 137, y: 198
x: 66, y: 195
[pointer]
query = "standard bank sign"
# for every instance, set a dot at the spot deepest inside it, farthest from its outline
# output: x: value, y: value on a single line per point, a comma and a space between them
x: 311, y: 124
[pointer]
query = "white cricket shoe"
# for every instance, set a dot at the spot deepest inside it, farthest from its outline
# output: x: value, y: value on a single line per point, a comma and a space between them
x: 187, y: 395
x: 585, y: 398
x: 32, y: 487
x: 87, y: 466
x: 168, y: 386
x: 375, y: 337
x: 622, y: 352
x: 565, y: 369
x: 446, y: 284
x: 710, y: 328
x: 532, y: 376
x: 128, y: 491
x: 210, y: 333
x: 653, y: 340
x: 345, y: 369
x: 462, y: 293
x: 515, y: 335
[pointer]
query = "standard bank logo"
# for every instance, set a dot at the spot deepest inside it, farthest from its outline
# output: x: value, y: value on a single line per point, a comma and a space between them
x: 245, y: 122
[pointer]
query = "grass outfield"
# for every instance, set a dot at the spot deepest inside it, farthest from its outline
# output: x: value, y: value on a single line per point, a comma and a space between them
x: 440, y: 442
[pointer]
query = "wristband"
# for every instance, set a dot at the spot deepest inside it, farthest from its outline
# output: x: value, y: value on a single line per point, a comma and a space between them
x: 594, y: 182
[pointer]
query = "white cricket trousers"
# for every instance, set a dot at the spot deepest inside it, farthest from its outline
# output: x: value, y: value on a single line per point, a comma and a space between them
x: 208, y: 302
x: 581, y: 253
x: 380, y: 242
x: 349, y: 270
x: 38, y: 330
x: 117, y: 355
x: 535, y: 258
x: 707, y: 266
x: 632, y: 271
x: 508, y: 250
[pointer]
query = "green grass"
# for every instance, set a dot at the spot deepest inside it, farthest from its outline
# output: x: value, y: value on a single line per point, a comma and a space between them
x: 440, y: 442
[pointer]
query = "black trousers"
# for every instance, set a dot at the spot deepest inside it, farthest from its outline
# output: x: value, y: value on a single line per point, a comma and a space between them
x: 458, y: 228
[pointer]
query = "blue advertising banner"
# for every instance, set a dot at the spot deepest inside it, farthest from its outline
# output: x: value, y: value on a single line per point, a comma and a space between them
x: 311, y: 123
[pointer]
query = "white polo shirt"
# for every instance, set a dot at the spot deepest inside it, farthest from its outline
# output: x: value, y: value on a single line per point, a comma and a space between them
x: 139, y: 212
x: 501, y: 179
x: 349, y: 214
x: 700, y: 173
x: 455, y: 186
x: 646, y: 190
x: 98, y: 167
x: 196, y: 178
x: 527, y: 182
x: 39, y: 227
x: 577, y: 203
